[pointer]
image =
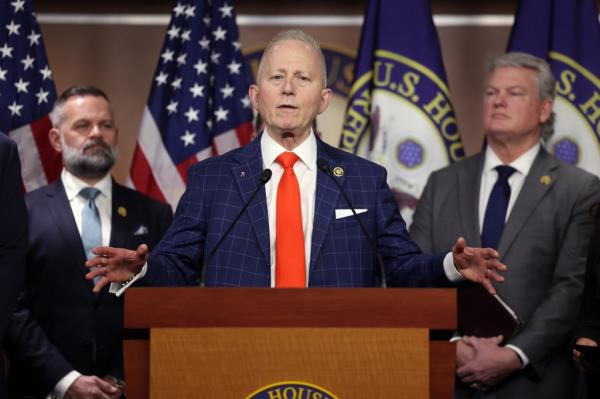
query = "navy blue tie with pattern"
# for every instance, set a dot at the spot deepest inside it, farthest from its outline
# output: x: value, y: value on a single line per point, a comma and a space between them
x: 495, y: 212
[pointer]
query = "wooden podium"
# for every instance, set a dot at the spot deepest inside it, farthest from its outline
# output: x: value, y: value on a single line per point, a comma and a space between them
x: 232, y: 342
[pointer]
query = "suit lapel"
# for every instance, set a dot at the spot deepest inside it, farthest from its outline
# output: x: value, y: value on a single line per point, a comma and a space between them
x: 326, y: 198
x: 469, y: 182
x: 119, y: 221
x: 60, y: 211
x: 246, y: 175
x: 538, y: 181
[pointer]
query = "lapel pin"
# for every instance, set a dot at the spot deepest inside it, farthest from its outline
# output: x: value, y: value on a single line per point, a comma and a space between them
x: 122, y: 211
x: 545, y: 180
x: 338, y: 171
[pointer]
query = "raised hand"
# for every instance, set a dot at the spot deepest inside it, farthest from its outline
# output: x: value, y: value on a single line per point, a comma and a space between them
x: 480, y: 265
x: 115, y: 264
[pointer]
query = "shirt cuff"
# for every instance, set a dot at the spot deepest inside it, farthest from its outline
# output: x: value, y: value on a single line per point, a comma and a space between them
x: 521, y: 354
x: 119, y: 288
x: 451, y: 271
x: 62, y: 386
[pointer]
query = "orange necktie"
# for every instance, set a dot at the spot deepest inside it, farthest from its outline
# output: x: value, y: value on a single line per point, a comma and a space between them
x: 290, y: 267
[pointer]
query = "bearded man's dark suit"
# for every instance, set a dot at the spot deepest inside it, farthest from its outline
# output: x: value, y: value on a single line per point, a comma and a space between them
x: 60, y: 324
x: 544, y: 245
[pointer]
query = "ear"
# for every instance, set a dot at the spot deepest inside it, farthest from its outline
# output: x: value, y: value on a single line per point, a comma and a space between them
x: 546, y: 110
x: 54, y: 137
x: 253, y: 94
x: 325, y: 96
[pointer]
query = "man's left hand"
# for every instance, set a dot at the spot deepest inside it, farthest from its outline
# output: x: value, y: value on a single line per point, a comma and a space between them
x: 490, y: 363
x: 480, y: 265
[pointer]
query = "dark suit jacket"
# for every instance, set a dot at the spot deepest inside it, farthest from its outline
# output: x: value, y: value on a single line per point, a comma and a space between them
x: 13, y: 237
x: 60, y: 324
x: 544, y: 245
x: 340, y: 253
x: 589, y: 323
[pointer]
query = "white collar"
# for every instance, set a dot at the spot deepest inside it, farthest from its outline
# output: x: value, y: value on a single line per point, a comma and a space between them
x: 73, y: 185
x: 522, y: 164
x: 306, y: 151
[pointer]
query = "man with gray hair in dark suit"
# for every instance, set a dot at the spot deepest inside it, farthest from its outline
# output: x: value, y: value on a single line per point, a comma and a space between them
x: 534, y: 209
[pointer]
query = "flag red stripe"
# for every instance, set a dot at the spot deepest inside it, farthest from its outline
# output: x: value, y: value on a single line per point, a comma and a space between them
x: 182, y: 167
x: 50, y: 158
x: 142, y: 177
x: 244, y: 132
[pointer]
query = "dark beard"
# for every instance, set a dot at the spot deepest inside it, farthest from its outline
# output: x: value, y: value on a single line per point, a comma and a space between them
x: 89, y: 162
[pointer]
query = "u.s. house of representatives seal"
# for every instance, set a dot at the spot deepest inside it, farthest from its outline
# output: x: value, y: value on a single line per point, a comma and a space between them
x: 291, y: 390
x: 576, y: 137
x: 400, y: 116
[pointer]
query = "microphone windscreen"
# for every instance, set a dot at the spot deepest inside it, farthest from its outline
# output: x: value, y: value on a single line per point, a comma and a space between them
x: 322, y: 164
x: 265, y: 176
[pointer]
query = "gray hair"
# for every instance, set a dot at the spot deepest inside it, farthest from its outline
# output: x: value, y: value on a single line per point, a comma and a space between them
x: 544, y: 78
x: 58, y: 111
x: 300, y: 36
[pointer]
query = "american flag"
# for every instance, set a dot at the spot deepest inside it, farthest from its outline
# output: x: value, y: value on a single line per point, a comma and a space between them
x: 27, y: 92
x: 198, y: 105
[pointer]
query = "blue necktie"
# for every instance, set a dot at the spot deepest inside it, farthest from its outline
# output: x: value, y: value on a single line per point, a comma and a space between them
x: 91, y: 228
x: 495, y: 213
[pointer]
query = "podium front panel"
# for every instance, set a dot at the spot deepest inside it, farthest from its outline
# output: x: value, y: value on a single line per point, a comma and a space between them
x: 241, y: 362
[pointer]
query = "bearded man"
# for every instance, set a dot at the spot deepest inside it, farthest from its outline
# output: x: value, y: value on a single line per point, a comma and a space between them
x: 63, y: 340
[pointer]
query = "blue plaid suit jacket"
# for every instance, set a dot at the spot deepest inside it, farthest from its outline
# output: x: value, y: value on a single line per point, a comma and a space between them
x: 340, y: 254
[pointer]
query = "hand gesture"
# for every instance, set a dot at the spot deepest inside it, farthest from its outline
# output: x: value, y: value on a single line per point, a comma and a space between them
x: 480, y: 265
x: 115, y: 264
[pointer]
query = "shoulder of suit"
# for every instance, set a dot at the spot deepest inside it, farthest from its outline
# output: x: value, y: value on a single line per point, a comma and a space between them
x: 136, y: 197
x: 347, y: 159
x: 218, y: 162
x: 41, y: 192
x: 473, y: 161
x: 572, y: 171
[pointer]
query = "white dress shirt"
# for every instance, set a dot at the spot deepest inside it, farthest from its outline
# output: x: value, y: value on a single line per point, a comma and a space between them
x: 489, y: 175
x: 73, y: 186
x: 305, y: 170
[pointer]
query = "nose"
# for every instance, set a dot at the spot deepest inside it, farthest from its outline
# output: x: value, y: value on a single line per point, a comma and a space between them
x: 288, y: 87
x: 499, y: 100
x: 95, y: 131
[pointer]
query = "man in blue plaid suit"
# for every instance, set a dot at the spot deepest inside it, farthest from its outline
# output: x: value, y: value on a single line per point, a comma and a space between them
x: 290, y: 92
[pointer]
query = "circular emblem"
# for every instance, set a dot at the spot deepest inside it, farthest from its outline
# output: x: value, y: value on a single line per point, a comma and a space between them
x: 566, y: 149
x: 122, y: 211
x: 291, y: 390
x: 545, y: 180
x: 577, y: 129
x: 410, y: 153
x: 338, y: 171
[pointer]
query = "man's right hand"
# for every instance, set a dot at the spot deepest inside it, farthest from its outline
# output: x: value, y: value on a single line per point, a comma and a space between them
x: 580, y: 361
x: 91, y: 387
x: 115, y: 264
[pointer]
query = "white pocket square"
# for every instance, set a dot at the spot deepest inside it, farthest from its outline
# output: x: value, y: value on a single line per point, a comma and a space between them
x: 344, y: 213
x: 141, y: 230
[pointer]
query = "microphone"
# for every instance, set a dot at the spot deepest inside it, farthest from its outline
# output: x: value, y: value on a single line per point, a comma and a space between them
x: 322, y: 164
x: 265, y: 176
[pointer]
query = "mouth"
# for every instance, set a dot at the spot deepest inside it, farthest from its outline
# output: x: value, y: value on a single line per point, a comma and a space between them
x: 96, y: 147
x: 286, y: 107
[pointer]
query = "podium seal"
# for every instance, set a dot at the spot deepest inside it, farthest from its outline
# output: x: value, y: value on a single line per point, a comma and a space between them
x: 291, y: 390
